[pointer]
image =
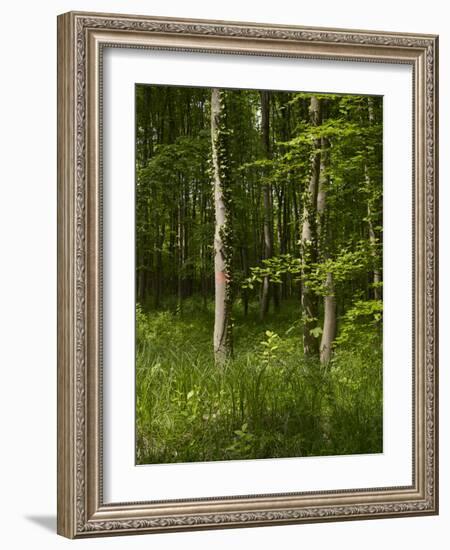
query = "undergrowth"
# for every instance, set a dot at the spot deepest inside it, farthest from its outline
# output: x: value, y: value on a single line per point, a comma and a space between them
x: 268, y: 401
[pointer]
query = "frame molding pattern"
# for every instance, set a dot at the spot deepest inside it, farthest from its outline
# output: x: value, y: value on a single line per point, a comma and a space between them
x: 73, y: 517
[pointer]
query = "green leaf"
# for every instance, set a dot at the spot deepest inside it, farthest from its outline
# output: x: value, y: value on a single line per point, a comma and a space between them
x: 316, y: 332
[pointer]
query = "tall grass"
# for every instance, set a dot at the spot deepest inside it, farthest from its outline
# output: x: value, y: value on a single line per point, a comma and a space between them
x: 268, y: 401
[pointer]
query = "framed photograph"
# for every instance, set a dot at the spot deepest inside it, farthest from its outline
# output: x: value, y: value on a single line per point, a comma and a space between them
x: 247, y: 282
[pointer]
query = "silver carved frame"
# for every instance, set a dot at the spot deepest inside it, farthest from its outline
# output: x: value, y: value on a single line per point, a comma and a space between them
x: 81, y: 511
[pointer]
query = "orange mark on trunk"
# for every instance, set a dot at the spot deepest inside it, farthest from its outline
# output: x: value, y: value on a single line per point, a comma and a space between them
x: 221, y: 277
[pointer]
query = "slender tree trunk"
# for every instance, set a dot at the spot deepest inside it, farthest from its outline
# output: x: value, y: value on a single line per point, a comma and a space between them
x: 309, y: 239
x: 222, y: 318
x: 148, y: 259
x: 373, y: 246
x: 147, y: 125
x: 329, y: 300
x: 203, y: 257
x: 187, y: 283
x: 173, y: 248
x: 267, y: 221
x: 283, y: 236
x: 372, y: 236
x: 156, y: 274
x: 296, y: 209
x: 159, y: 265
x: 329, y: 321
x: 141, y: 285
x: 156, y: 247
x: 244, y: 262
x: 180, y: 259
x: 297, y: 232
x: 275, y: 290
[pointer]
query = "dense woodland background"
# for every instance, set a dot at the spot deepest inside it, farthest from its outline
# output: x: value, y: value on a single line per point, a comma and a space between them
x: 258, y: 274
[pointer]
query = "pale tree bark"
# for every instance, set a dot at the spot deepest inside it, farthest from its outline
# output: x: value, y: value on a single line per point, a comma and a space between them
x: 373, y: 246
x: 329, y: 300
x: 222, y: 319
x: 267, y: 203
x: 245, y: 271
x: 309, y: 238
x: 372, y: 236
x: 180, y: 260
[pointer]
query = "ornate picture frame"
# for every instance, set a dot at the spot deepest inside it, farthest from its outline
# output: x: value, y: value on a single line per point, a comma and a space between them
x: 82, y: 38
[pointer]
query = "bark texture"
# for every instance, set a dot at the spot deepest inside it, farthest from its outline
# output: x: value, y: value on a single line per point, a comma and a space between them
x: 372, y: 235
x: 309, y: 238
x: 222, y: 318
x: 329, y: 300
x: 267, y: 201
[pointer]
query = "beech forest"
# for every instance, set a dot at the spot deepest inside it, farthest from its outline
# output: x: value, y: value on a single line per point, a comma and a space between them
x: 258, y: 274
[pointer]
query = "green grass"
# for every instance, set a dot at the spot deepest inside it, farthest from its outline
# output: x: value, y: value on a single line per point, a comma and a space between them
x: 268, y: 402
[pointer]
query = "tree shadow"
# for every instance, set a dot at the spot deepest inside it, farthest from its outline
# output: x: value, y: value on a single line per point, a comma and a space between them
x: 46, y: 522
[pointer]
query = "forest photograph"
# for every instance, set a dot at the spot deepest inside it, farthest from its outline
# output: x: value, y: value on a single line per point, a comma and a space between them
x: 258, y: 274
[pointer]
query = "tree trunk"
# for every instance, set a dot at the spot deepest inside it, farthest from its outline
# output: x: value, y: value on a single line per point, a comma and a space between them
x: 309, y: 239
x: 267, y: 203
x: 156, y: 247
x: 187, y: 279
x: 159, y: 266
x: 282, y: 222
x: 147, y: 149
x: 329, y: 321
x: 203, y: 256
x: 372, y: 236
x: 245, y: 271
x: 373, y: 246
x: 180, y: 259
x: 141, y: 285
x: 329, y: 300
x: 222, y: 318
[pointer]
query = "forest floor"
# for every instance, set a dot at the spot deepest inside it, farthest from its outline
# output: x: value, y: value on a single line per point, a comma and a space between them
x: 269, y: 401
